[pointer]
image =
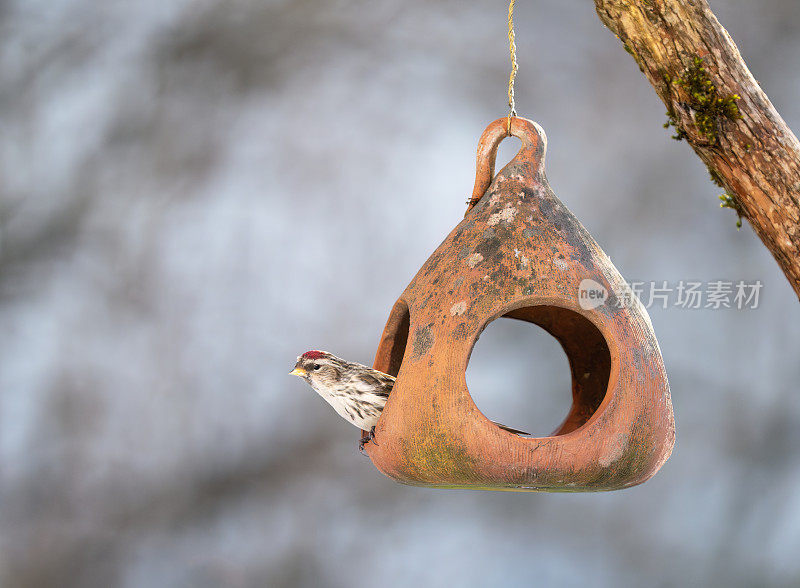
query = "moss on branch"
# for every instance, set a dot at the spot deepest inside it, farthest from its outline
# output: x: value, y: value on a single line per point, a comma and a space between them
x: 706, y: 104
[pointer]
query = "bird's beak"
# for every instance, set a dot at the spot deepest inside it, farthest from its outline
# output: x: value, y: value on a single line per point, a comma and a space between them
x: 298, y: 372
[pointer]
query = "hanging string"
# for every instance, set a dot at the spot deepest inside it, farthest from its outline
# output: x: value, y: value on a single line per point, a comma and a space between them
x: 512, y: 48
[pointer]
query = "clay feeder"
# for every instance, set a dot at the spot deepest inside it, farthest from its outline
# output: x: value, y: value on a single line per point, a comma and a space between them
x: 520, y: 253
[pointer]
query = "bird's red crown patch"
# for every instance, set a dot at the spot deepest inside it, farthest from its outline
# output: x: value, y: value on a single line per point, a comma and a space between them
x: 313, y: 354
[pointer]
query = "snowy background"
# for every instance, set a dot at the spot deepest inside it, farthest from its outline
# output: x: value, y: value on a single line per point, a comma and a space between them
x: 192, y: 193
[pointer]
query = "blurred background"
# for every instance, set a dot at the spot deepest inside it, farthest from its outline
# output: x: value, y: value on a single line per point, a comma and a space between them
x: 192, y: 193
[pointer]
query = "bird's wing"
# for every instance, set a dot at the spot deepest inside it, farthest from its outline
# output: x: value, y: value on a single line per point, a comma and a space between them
x: 510, y: 430
x: 375, y: 382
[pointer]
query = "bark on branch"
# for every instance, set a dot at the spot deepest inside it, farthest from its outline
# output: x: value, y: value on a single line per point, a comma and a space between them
x: 698, y: 73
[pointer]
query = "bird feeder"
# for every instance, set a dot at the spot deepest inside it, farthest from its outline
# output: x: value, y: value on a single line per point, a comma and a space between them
x: 520, y: 253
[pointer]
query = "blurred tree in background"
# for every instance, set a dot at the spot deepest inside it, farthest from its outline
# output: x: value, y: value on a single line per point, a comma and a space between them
x: 192, y: 193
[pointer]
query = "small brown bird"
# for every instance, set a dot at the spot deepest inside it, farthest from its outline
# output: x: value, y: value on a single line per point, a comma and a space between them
x: 357, y: 392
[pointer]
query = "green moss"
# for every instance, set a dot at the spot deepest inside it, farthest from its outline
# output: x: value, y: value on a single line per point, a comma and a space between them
x: 715, y: 177
x: 708, y: 105
x: 673, y: 122
x: 636, y: 58
x: 729, y: 201
x: 435, y: 455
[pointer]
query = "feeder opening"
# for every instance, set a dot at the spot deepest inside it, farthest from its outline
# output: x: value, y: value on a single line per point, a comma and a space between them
x: 518, y: 375
x: 393, y: 343
x: 589, y: 361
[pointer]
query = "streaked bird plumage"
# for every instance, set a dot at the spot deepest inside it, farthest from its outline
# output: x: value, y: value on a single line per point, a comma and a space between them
x: 356, y: 392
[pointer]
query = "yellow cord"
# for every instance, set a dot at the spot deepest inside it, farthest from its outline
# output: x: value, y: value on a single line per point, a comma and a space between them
x: 512, y: 48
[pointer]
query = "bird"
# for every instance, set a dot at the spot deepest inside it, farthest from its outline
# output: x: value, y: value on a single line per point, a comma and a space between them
x: 356, y: 392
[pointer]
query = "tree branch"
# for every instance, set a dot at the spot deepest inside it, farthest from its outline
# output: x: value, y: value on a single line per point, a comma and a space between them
x: 715, y: 104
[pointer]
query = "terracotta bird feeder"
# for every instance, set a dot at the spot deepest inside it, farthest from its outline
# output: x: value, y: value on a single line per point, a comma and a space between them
x: 520, y: 253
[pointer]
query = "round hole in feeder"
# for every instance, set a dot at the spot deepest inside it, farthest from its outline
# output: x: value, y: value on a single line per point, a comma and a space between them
x: 518, y: 375
x: 522, y: 376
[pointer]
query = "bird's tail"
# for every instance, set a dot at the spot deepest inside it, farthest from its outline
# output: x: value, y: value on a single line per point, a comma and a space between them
x: 510, y: 430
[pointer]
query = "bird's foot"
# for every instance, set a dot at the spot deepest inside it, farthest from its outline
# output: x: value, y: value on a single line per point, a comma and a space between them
x: 368, y: 439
